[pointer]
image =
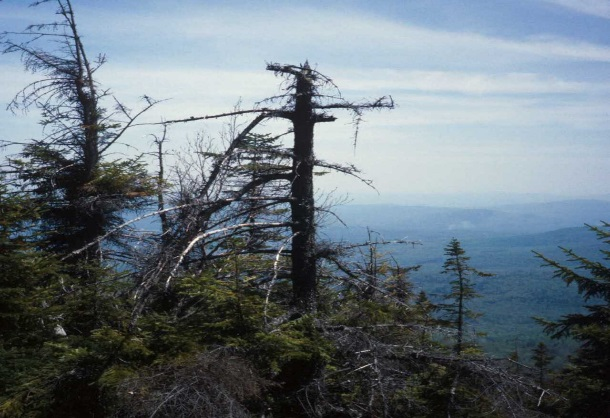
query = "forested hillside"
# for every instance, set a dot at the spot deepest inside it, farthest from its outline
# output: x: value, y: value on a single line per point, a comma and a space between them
x: 496, y: 240
x: 206, y: 283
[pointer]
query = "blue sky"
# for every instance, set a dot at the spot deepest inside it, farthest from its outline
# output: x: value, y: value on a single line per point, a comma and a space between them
x: 493, y: 95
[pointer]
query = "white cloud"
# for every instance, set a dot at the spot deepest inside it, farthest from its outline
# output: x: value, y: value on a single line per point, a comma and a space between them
x: 515, y: 112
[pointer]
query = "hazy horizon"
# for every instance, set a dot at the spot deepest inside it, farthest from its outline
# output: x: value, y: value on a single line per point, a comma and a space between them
x: 464, y: 200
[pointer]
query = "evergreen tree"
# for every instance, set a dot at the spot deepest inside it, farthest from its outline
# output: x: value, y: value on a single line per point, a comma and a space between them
x: 462, y: 291
x: 542, y: 358
x: 77, y: 195
x: 587, y: 377
x: 82, y: 194
x: 28, y: 319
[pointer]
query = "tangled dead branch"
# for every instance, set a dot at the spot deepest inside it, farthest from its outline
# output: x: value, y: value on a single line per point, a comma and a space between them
x: 214, y: 384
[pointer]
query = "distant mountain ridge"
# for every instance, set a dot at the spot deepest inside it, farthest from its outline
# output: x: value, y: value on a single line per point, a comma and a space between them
x: 505, y: 219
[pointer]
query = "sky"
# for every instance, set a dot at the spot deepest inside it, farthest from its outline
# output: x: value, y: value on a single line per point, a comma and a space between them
x: 494, y: 97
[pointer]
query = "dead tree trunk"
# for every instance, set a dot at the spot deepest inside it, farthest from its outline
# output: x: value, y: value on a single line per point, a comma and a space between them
x: 302, y: 203
x: 304, y: 109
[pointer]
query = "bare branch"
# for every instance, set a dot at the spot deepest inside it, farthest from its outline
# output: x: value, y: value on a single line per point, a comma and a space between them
x: 201, y: 236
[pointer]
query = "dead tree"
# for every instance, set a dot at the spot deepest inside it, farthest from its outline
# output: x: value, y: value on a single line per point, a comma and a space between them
x: 303, y: 118
x: 302, y: 110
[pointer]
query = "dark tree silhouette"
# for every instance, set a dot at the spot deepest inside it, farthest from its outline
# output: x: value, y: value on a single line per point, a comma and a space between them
x: 542, y: 358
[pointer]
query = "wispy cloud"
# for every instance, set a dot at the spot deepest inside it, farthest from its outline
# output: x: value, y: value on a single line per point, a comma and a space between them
x: 424, y: 97
x: 599, y: 8
x: 493, y: 109
x: 224, y: 33
x: 464, y: 82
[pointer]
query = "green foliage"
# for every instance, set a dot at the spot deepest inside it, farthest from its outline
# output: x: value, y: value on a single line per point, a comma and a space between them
x: 27, y: 318
x: 124, y: 178
x: 74, y: 211
x: 55, y: 326
x: 586, y: 380
x: 201, y: 311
